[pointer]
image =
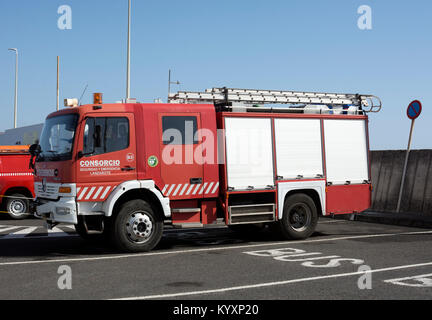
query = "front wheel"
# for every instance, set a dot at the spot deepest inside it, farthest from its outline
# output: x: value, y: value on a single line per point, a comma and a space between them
x: 300, y: 217
x: 17, y: 206
x: 136, y: 227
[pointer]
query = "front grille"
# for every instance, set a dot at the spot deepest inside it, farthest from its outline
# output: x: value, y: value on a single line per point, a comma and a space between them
x: 51, y: 191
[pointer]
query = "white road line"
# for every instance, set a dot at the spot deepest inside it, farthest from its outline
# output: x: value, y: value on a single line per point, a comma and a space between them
x: 420, y: 277
x: 20, y: 234
x: 9, y: 229
x: 276, y: 283
x: 57, y: 233
x: 149, y: 254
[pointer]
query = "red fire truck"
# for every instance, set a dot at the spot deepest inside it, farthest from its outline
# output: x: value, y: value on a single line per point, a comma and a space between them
x: 16, y: 181
x: 231, y: 157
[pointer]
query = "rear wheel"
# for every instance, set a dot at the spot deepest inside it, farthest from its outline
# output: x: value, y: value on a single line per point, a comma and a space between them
x: 136, y: 227
x: 300, y: 217
x: 17, y: 206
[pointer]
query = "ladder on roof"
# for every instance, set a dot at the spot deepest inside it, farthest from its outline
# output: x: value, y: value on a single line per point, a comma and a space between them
x: 227, y: 97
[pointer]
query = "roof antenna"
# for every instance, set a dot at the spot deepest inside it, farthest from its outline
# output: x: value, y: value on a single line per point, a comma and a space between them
x: 170, y: 83
x: 85, y: 89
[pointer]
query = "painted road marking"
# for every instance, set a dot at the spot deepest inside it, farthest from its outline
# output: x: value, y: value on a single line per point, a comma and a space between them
x: 272, y: 284
x: 21, y: 233
x: 292, y: 255
x: 162, y: 253
x: 9, y: 229
x: 34, y: 232
x: 57, y: 233
x: 422, y: 281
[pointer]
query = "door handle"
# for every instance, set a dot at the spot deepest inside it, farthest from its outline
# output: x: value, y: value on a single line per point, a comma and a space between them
x: 196, y: 181
x: 128, y: 169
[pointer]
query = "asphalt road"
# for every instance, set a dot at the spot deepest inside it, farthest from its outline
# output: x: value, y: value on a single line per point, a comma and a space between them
x: 343, y: 260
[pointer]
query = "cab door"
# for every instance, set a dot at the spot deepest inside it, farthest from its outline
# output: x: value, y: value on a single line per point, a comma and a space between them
x: 107, y: 155
x: 182, y: 159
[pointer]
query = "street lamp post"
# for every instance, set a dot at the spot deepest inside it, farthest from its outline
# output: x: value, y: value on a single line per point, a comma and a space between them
x: 128, y: 55
x: 16, y: 85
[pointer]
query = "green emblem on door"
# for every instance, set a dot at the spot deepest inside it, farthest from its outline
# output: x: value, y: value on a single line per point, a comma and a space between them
x: 153, y: 161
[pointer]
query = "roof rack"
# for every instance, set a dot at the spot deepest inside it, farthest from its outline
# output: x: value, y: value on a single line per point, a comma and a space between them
x: 226, y: 97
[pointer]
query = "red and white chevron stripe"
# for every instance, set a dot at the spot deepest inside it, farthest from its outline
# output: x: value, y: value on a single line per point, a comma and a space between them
x: 179, y: 190
x: 98, y: 193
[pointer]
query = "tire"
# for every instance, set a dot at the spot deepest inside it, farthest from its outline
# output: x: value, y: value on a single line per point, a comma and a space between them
x: 17, y: 206
x: 136, y: 228
x: 300, y: 217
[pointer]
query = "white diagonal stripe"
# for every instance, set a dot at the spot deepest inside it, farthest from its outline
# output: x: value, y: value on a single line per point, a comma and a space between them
x: 196, y: 189
x: 169, y: 191
x: 165, y: 188
x: 20, y: 233
x: 82, y: 193
x: 190, y: 189
x: 183, y: 190
x: 9, y: 229
x: 176, y: 191
x: 97, y: 193
x: 90, y: 193
x: 215, y: 188
x: 202, y: 189
x: 209, y: 188
x: 105, y: 192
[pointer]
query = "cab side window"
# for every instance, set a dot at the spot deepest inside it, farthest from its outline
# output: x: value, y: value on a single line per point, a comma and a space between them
x: 105, y: 135
x: 180, y: 130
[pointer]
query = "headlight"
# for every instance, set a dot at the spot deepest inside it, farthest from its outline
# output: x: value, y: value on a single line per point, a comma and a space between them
x: 63, y: 211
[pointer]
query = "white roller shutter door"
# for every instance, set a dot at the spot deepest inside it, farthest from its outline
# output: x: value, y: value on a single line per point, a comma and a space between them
x: 249, y: 152
x: 299, y: 148
x: 346, y: 151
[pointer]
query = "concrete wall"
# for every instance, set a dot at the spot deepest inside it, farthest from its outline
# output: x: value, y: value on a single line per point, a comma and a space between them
x: 23, y: 136
x: 387, y: 167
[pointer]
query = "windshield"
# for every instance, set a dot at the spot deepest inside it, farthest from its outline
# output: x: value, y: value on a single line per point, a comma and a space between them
x: 57, y: 138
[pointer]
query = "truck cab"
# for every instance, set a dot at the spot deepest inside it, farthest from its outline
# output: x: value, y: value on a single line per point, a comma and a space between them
x: 94, y: 159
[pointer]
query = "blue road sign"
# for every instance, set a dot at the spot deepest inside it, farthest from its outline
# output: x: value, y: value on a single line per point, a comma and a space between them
x: 414, y: 110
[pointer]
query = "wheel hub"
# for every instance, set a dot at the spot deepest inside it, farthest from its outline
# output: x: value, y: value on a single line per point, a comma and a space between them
x: 16, y: 207
x: 299, y: 218
x: 139, y: 227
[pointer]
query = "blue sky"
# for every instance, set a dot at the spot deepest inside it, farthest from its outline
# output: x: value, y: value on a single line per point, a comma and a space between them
x: 305, y: 45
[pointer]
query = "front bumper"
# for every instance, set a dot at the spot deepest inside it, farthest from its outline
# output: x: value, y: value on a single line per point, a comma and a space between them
x: 61, y: 211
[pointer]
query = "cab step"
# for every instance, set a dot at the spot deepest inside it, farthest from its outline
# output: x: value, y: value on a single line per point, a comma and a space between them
x: 247, y: 214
